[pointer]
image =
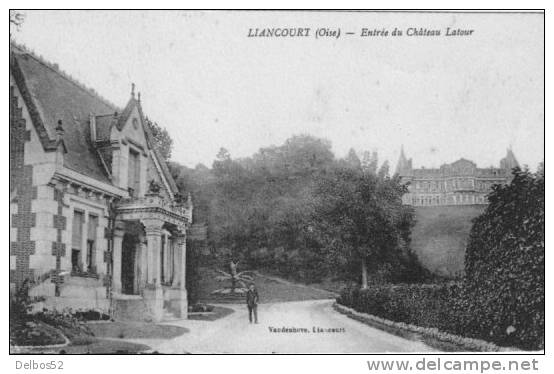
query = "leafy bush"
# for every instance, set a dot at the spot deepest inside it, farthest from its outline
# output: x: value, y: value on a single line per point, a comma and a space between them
x: 201, y: 308
x: 44, y: 327
x: 67, y: 322
x: 504, y: 283
x: 34, y: 334
x: 425, y: 305
x: 91, y: 315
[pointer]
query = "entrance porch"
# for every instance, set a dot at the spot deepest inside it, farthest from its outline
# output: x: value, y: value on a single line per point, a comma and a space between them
x: 149, y: 260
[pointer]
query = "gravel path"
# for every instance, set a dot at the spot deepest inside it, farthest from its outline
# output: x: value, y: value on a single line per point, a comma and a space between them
x: 234, y: 334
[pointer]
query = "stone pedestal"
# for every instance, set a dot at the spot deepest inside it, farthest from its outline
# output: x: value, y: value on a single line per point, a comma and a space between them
x: 154, y: 300
x: 183, y: 304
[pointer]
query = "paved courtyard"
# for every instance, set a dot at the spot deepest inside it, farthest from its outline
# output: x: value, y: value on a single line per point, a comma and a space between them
x: 234, y: 334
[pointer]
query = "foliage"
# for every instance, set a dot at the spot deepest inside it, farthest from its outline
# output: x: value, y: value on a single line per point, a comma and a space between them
x: 16, y: 20
x: 236, y: 278
x: 21, y: 303
x: 66, y: 321
x: 261, y: 210
x: 425, y: 305
x: 44, y: 327
x: 358, y: 217
x: 504, y: 266
x: 501, y: 298
x: 161, y: 139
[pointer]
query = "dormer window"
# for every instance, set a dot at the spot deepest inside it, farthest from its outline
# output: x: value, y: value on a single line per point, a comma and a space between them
x: 133, y: 181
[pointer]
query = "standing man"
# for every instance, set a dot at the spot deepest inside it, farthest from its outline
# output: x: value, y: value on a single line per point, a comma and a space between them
x: 252, y: 302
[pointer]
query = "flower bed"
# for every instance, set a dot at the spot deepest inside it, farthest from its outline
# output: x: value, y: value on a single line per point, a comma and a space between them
x: 31, y: 333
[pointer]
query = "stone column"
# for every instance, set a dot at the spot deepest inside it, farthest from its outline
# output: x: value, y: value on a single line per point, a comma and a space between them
x: 143, y: 260
x: 153, y: 230
x: 176, y: 262
x: 119, y: 231
x: 182, y: 251
x: 84, y: 238
x: 181, y: 244
x: 153, y: 293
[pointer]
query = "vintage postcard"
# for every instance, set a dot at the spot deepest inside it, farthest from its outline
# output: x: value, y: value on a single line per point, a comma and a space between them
x: 277, y: 182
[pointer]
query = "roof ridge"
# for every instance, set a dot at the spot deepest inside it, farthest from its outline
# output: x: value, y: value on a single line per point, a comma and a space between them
x: 55, y: 67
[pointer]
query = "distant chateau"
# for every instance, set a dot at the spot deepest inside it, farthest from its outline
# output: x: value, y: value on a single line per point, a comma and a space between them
x: 458, y: 183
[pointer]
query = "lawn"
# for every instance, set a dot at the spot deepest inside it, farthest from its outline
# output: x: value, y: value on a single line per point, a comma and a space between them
x: 135, y: 330
x: 104, y: 346
x: 270, y: 289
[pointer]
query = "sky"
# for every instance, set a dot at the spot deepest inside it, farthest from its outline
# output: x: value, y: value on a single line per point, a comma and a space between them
x: 212, y: 86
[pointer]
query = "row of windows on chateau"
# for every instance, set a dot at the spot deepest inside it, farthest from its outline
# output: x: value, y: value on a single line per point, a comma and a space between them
x: 454, y: 184
x: 85, y: 233
x: 455, y: 199
x: 89, y: 265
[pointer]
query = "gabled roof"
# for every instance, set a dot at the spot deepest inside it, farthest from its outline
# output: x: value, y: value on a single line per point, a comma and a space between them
x: 122, y: 120
x: 51, y: 95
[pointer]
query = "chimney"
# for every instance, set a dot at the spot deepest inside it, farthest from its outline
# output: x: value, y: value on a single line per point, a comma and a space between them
x: 92, y: 122
x: 60, y: 144
x: 59, y: 131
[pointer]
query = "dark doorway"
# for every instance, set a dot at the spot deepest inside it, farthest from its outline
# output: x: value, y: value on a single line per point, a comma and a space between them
x: 128, y: 264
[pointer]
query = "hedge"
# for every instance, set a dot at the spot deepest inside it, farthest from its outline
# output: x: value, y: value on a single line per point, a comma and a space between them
x: 425, y: 305
x: 504, y: 291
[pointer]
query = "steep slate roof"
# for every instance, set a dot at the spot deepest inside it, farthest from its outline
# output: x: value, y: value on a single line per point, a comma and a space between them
x: 51, y: 96
x: 56, y: 97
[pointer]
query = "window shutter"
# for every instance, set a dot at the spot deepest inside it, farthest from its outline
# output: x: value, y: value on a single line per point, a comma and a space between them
x: 77, y: 236
x: 92, y: 225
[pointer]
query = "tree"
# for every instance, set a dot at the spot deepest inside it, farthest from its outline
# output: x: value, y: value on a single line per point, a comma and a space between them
x: 298, y: 211
x: 360, y: 218
x: 16, y: 20
x: 370, y: 162
x: 161, y: 139
x: 352, y: 160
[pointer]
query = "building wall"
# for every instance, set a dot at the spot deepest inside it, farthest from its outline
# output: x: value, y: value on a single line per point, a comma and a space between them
x: 40, y: 221
x: 31, y: 168
x: 449, y: 190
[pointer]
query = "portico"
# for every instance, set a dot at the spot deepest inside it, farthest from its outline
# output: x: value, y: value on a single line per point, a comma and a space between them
x: 149, y: 254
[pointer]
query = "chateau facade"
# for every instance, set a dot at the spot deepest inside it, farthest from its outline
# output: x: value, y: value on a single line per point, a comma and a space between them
x: 458, y: 183
x: 96, y: 220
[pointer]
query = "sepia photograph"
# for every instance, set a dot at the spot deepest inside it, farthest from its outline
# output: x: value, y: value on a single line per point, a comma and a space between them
x: 277, y: 182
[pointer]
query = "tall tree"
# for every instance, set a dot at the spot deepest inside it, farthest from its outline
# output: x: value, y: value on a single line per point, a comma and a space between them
x: 360, y: 217
x: 161, y: 138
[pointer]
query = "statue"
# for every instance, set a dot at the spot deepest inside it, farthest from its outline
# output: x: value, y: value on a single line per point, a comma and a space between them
x: 154, y: 187
x: 233, y: 267
x: 240, y: 278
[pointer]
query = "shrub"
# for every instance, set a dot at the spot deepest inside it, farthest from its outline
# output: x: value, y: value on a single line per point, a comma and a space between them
x: 504, y: 265
x: 91, y: 315
x: 425, y: 305
x: 72, y: 326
